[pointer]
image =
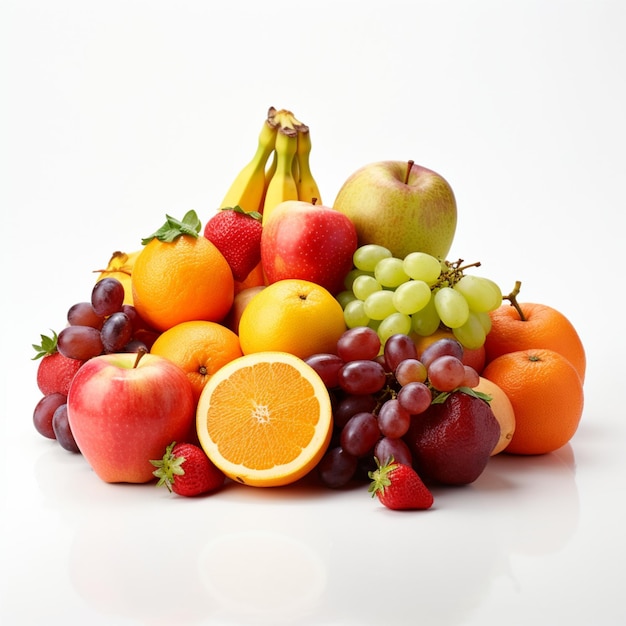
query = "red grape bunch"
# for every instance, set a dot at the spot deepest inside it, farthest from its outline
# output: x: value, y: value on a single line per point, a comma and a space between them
x: 377, y: 393
x: 103, y: 325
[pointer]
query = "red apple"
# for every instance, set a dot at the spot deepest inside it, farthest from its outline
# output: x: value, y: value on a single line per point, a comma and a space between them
x: 124, y: 409
x: 308, y: 241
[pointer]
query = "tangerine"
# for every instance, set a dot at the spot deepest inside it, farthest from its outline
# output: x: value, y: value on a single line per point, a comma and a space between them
x: 182, y: 280
x: 265, y: 419
x: 546, y: 393
x: 292, y: 315
x: 542, y: 327
x: 199, y: 348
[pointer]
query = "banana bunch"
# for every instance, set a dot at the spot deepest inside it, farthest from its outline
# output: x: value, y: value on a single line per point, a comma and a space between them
x: 263, y: 183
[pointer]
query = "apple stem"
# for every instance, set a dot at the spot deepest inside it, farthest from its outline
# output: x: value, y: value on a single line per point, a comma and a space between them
x: 313, y: 201
x: 512, y: 298
x: 408, y: 171
x: 140, y: 353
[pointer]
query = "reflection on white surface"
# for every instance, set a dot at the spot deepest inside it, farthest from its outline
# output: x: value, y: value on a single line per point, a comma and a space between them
x: 265, y: 575
x: 304, y: 554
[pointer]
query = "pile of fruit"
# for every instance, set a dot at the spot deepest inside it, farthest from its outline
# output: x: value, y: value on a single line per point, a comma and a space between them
x: 288, y: 338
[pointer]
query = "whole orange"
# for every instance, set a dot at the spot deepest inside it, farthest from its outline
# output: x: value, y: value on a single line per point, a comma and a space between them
x: 182, y: 280
x: 199, y: 348
x: 292, y: 315
x: 543, y: 327
x: 546, y: 393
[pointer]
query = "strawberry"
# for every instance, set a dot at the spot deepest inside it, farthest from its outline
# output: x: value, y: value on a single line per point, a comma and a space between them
x: 55, y: 371
x: 399, y: 486
x: 186, y: 470
x: 237, y: 235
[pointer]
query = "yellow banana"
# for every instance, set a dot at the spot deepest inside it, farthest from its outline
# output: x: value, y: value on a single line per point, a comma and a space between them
x: 308, y: 191
x: 248, y: 188
x: 120, y: 266
x: 282, y: 186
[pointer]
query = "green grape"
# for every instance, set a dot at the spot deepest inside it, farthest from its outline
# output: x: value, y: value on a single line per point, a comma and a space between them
x: 498, y: 291
x: 390, y: 272
x: 411, y: 296
x: 354, y: 314
x: 422, y: 266
x: 366, y: 257
x: 480, y: 293
x: 485, y: 320
x: 451, y: 306
x: 426, y: 321
x: 379, y: 305
x: 345, y: 296
x: 392, y: 325
x: 471, y: 334
x: 352, y: 275
x: 365, y: 285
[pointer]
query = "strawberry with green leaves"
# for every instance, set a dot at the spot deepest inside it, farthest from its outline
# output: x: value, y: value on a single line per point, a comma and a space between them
x: 399, y: 487
x: 186, y: 470
x: 55, y: 371
x: 237, y: 235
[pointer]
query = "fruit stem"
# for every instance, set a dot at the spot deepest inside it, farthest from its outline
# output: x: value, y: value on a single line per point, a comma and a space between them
x: 408, y: 171
x: 140, y: 354
x: 512, y: 298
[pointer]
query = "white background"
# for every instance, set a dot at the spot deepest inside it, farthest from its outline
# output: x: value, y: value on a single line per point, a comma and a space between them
x: 116, y: 113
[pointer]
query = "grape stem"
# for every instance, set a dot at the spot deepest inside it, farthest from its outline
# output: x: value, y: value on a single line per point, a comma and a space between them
x: 512, y: 298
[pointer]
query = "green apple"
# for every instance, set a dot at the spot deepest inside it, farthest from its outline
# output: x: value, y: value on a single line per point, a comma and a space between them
x: 402, y: 206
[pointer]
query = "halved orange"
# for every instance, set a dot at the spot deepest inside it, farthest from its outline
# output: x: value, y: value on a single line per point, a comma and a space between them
x: 265, y: 419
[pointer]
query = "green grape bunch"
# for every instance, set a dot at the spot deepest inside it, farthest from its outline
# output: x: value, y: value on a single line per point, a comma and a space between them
x: 418, y: 294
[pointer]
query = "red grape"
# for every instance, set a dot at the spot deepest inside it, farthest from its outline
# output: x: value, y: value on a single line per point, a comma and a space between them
x: 327, y: 367
x: 359, y: 343
x: 360, y: 434
x: 393, y: 419
x: 337, y: 468
x: 107, y: 296
x: 362, y: 377
x: 410, y: 370
x: 80, y: 342
x: 62, y: 430
x: 397, y: 348
x: 116, y: 332
x: 44, y: 410
x: 415, y: 397
x: 388, y: 447
x: 446, y: 373
x: 441, y: 347
x: 350, y: 405
x: 82, y: 314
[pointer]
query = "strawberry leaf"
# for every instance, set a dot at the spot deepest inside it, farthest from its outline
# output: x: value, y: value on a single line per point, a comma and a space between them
x: 168, y: 467
x: 237, y: 209
x: 48, y: 346
x: 173, y: 228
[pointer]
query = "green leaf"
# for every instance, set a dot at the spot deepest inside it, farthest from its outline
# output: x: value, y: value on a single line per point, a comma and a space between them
x: 173, y: 228
x: 47, y: 346
x: 443, y: 396
x: 237, y: 209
